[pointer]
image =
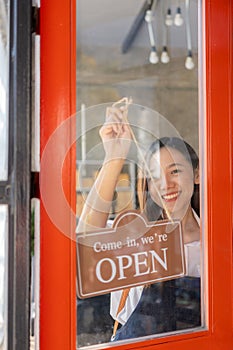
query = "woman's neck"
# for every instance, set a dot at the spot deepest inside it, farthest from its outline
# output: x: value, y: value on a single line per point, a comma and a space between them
x: 190, y: 227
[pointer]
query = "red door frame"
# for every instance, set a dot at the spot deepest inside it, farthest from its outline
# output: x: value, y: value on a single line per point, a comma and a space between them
x: 57, y: 268
x: 57, y: 249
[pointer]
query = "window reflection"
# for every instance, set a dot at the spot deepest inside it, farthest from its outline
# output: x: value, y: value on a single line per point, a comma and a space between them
x: 4, y: 79
x: 3, y: 274
x: 158, y: 67
x: 4, y: 86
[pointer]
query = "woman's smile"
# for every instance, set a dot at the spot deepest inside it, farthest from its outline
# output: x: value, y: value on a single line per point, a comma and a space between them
x: 171, y: 197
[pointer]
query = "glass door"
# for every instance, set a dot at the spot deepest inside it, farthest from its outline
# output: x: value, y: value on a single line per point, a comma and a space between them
x: 134, y: 74
x: 145, y: 55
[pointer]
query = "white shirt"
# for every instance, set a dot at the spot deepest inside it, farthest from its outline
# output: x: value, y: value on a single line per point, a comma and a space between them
x: 192, y: 258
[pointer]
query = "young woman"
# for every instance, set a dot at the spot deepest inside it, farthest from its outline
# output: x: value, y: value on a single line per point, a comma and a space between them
x: 170, y: 190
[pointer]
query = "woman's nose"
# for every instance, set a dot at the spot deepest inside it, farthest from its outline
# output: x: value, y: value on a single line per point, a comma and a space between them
x: 164, y: 181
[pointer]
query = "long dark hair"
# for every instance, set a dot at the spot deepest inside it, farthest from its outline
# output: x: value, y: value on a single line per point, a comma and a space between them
x: 152, y: 210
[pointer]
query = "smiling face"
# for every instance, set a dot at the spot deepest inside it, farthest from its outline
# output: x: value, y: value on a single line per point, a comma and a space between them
x: 172, y: 182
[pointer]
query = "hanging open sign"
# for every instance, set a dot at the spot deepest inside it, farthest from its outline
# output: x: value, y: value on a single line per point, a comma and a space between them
x: 134, y: 252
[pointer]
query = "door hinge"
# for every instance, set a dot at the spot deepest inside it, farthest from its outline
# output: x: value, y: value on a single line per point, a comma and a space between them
x: 5, y: 192
x: 35, y: 186
x: 35, y: 21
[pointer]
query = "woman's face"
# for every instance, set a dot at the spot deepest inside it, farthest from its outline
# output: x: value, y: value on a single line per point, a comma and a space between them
x: 172, y: 183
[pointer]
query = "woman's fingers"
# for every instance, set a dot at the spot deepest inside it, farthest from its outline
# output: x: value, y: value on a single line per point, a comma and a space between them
x: 112, y: 124
x: 116, y: 133
x: 114, y: 118
x: 113, y: 111
x: 106, y: 131
x: 115, y: 122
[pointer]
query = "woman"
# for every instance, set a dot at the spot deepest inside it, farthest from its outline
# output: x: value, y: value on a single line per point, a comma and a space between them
x: 171, y: 188
x: 171, y: 178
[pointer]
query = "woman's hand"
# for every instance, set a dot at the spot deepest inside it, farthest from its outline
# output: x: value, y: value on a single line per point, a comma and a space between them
x: 116, y: 133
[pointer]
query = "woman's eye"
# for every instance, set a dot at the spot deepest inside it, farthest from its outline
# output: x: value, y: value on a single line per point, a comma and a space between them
x: 175, y: 171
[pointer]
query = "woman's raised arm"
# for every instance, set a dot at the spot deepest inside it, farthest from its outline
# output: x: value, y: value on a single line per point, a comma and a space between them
x: 116, y: 138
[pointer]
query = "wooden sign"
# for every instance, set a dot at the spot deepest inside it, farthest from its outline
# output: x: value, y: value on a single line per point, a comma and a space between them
x: 132, y: 253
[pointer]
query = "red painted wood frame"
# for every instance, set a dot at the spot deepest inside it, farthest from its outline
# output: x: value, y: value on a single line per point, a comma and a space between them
x: 57, y: 249
x: 57, y: 285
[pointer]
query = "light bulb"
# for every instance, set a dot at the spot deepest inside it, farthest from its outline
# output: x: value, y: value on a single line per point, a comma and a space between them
x: 153, y: 57
x: 164, y: 56
x: 168, y: 18
x: 189, y: 63
x: 178, y: 20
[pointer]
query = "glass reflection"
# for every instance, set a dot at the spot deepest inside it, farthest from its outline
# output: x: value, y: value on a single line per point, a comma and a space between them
x: 3, y: 274
x: 4, y: 82
x: 163, y: 76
